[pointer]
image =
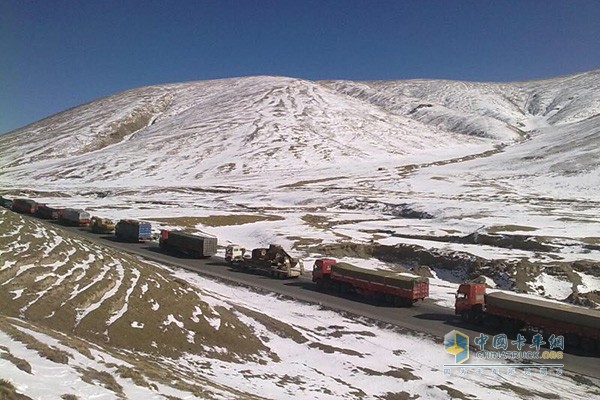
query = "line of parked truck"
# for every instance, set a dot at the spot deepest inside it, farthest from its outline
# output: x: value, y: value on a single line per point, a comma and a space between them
x: 509, y: 312
x: 126, y: 230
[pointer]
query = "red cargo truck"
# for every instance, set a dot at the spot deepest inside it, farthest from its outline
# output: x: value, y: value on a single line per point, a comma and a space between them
x: 511, y: 313
x: 387, y: 286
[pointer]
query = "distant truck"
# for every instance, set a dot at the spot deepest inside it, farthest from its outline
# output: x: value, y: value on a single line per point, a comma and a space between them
x: 390, y: 287
x: 273, y: 261
x: 6, y: 203
x: 197, y: 246
x: 102, y: 225
x: 129, y: 230
x: 511, y: 313
x: 74, y: 217
x: 24, y: 206
x: 45, y: 212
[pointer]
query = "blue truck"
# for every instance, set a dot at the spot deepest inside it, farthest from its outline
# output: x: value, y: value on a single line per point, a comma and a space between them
x: 128, y: 230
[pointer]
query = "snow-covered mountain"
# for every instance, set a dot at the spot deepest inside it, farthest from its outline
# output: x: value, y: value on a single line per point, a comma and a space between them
x: 202, y: 130
x: 213, y: 129
x: 328, y: 161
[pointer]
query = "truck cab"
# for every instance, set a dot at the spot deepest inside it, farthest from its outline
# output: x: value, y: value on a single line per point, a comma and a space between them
x: 470, y: 300
x: 322, y: 268
x: 234, y: 252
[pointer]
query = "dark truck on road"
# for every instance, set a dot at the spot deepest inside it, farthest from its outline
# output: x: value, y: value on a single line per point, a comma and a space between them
x: 45, y: 212
x: 193, y: 245
x: 129, y: 230
x: 510, y: 313
x: 74, y: 217
x: 6, y: 203
x: 24, y: 206
x: 387, y: 286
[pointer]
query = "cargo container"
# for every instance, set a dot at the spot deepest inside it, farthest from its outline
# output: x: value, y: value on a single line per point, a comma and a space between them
x: 74, y: 217
x: 24, y: 206
x: 45, y: 212
x: 6, y: 203
x: 193, y: 245
x: 129, y: 230
x: 391, y: 287
x: 512, y: 312
x: 273, y: 261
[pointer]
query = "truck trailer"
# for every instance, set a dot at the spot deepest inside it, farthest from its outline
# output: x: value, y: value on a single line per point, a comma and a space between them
x: 391, y: 287
x: 512, y: 313
x: 74, y: 217
x: 273, y: 261
x: 197, y: 246
x: 45, y: 212
x: 24, y: 206
x: 6, y: 203
x: 129, y: 230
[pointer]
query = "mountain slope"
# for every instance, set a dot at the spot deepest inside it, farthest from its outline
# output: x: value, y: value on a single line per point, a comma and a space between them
x: 499, y: 110
x: 421, y: 162
x: 219, y: 128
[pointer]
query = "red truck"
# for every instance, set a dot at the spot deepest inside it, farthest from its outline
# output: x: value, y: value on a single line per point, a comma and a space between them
x: 391, y: 287
x: 580, y: 326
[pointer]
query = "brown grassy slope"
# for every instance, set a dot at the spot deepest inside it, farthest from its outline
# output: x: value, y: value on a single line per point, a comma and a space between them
x: 78, y: 287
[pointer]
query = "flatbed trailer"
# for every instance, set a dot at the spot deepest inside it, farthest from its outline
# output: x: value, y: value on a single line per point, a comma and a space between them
x: 272, y: 261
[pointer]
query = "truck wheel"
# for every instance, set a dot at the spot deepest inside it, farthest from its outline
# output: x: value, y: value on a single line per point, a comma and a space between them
x: 402, y: 302
x: 571, y: 340
x: 492, y: 321
x: 588, y: 345
x: 320, y: 286
x: 509, y: 326
x: 335, y: 286
x: 466, y: 316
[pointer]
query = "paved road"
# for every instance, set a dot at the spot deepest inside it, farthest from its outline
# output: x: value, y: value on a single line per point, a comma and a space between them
x: 425, y: 317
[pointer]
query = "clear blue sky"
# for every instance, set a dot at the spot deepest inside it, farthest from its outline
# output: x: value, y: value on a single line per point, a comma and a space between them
x: 58, y: 54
